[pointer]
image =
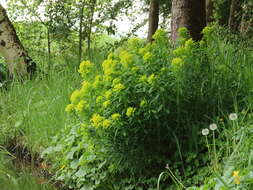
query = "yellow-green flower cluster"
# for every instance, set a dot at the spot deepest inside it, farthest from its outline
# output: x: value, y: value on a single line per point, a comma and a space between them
x: 134, y: 43
x: 69, y: 108
x: 151, y: 79
x: 159, y: 34
x: 177, y: 61
x: 107, y: 103
x: 183, y: 32
x: 126, y: 57
x: 98, y: 82
x: 208, y: 30
x: 80, y: 106
x: 86, y: 88
x: 85, y: 68
x: 118, y: 87
x: 75, y: 96
x: 143, y: 78
x: 147, y: 56
x: 130, y: 111
x: 99, y: 99
x: 98, y: 121
x: 143, y: 103
x: 106, y: 123
x: 116, y: 116
x: 109, y: 66
x: 108, y: 94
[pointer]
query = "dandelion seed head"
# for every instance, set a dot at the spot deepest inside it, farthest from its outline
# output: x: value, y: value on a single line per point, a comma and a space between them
x: 205, y: 132
x: 213, y: 127
x: 233, y: 116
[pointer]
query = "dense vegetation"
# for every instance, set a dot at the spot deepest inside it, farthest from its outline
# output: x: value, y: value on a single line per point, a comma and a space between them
x: 133, y: 115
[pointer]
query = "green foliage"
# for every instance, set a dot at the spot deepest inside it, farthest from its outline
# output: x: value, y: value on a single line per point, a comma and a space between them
x: 233, y: 147
x: 144, y: 107
x: 35, y: 109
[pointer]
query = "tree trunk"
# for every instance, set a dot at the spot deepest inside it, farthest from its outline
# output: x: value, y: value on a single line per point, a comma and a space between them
x: 153, y: 18
x: 235, y: 15
x: 189, y: 14
x: 49, y: 46
x: 209, y: 11
x: 246, y: 25
x: 93, y: 6
x: 81, y: 32
x: 16, y: 57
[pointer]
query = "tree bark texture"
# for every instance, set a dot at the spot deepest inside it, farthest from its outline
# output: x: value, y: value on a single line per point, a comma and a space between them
x: 235, y: 15
x: 189, y: 14
x: 209, y: 11
x: 153, y: 18
x: 16, y: 57
x: 81, y: 17
x: 93, y: 6
x: 246, y: 26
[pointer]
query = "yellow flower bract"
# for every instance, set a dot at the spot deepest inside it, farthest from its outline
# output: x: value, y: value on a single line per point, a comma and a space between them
x: 97, y: 120
x: 116, y: 116
x: 125, y: 57
x: 118, y: 87
x: 147, y: 56
x: 80, y: 106
x: 85, y: 67
x: 69, y: 108
x: 237, y: 179
x: 151, y: 79
x: 106, y: 123
x: 130, y: 111
x: 106, y: 103
x: 75, y: 97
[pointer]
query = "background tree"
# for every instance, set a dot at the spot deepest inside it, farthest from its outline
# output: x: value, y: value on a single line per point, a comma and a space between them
x: 209, y: 11
x: 189, y: 14
x: 16, y: 57
x: 235, y: 15
x: 153, y: 18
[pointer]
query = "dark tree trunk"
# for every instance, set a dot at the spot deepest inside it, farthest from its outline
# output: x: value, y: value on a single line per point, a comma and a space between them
x: 209, y: 11
x: 16, y: 57
x: 153, y: 18
x: 90, y: 27
x: 81, y: 33
x: 235, y: 15
x: 49, y: 46
x: 189, y: 14
x: 246, y: 25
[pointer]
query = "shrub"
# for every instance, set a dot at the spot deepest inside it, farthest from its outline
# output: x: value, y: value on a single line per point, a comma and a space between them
x: 145, y: 104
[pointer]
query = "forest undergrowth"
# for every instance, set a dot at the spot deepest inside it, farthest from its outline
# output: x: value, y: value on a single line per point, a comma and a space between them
x: 149, y: 116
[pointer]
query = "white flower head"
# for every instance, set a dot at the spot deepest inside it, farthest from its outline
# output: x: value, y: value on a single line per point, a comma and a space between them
x: 213, y: 127
x: 205, y: 132
x: 233, y: 116
x: 1, y: 84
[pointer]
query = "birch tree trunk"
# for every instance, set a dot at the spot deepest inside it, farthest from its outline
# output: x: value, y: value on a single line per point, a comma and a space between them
x: 153, y: 18
x: 189, y: 14
x: 16, y: 57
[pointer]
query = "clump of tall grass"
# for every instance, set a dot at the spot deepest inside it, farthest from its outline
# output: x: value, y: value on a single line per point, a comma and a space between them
x: 34, y: 109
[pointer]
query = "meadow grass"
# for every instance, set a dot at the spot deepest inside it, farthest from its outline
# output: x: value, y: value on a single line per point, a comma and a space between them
x: 34, y: 109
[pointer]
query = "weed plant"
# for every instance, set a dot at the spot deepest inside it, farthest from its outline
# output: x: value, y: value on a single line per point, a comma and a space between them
x: 145, y: 108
